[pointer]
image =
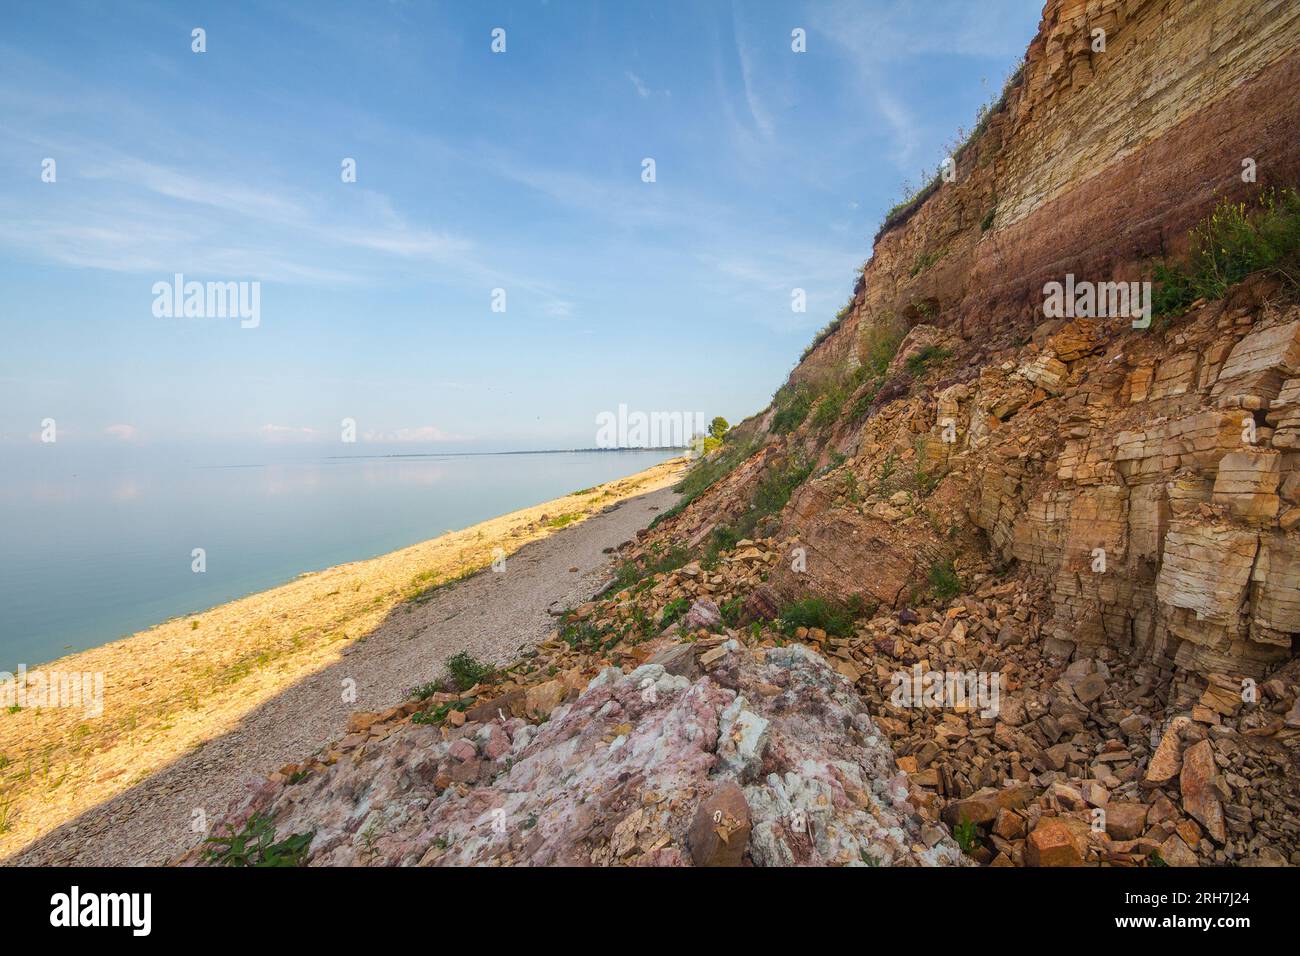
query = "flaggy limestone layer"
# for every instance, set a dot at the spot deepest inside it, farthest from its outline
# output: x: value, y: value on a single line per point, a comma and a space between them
x: 1174, y: 451
x: 1151, y: 479
x: 1097, y: 162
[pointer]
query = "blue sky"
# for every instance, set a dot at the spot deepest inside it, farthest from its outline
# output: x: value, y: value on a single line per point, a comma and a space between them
x: 475, y: 171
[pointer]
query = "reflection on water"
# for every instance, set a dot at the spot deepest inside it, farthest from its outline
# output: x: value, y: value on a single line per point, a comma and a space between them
x: 93, y: 552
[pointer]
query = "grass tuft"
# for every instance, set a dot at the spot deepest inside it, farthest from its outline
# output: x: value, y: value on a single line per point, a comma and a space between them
x: 559, y: 521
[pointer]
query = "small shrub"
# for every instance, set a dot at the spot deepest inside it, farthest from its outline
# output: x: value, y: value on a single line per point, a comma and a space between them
x: 925, y: 260
x: 816, y: 612
x: 923, y: 309
x: 665, y: 562
x: 585, y: 636
x: 255, y: 845
x: 425, y: 691
x: 828, y: 409
x: 837, y: 458
x: 916, y: 363
x: 987, y: 222
x: 923, y: 481
x: 882, y: 346
x: 436, y: 715
x: 861, y: 406
x: 849, y: 485
x: 776, y: 487
x: 791, y: 414
x: 659, y: 561
x: 884, y: 477
x: 466, y: 671
x: 723, y: 538
x: 673, y: 611
x: 944, y: 583
x: 559, y: 521
x: 860, y: 605
x: 1171, y: 292
x: 640, y: 621
x: 1236, y: 240
x: 628, y: 574
x: 967, y: 836
x: 731, y: 611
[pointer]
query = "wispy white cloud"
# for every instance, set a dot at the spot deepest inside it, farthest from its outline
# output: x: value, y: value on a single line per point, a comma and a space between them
x: 768, y: 277
x: 892, y: 31
x: 235, y: 198
x: 283, y: 433
x: 122, y: 432
x: 758, y: 111
x: 406, y: 435
x: 878, y: 44
x: 130, y: 214
x: 422, y: 433
x: 903, y: 126
x: 638, y: 84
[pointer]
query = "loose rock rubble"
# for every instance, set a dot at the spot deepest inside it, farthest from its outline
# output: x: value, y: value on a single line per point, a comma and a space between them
x: 1122, y: 531
x: 713, y: 745
x: 732, y: 765
x: 1073, y: 739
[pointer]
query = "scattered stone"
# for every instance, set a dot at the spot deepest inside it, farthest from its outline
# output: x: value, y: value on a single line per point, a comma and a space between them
x: 541, y: 699
x: 983, y: 807
x: 1125, y: 821
x: 1198, y: 783
x: 720, y: 829
x: 1175, y: 852
x: 1168, y: 758
x: 1052, y: 844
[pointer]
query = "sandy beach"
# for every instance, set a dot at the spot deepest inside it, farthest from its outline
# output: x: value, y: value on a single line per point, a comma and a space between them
x: 199, y: 705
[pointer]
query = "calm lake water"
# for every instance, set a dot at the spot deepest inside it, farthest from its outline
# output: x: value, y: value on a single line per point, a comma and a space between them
x: 90, y: 554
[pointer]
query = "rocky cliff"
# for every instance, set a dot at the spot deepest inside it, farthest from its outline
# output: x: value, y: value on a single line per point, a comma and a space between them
x: 1071, y: 436
x: 1096, y: 511
x: 1140, y: 477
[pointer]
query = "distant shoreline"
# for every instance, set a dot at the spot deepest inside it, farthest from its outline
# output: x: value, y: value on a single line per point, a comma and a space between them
x: 470, y: 454
x: 192, y: 679
x: 383, y: 509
